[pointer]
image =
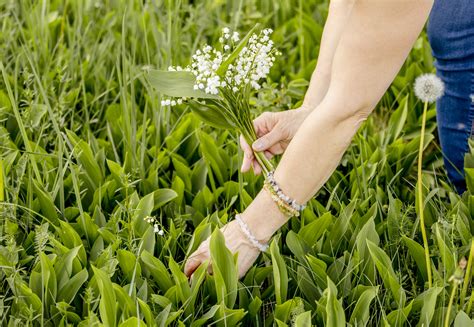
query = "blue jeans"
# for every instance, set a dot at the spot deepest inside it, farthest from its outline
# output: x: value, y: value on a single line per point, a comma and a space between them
x: 451, y: 35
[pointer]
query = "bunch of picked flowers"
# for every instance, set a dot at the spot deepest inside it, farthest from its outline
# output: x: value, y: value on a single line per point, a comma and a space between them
x: 220, y: 80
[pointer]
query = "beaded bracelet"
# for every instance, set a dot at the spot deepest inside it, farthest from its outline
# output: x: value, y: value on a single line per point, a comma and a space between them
x: 245, y: 229
x: 284, y: 207
x: 271, y: 180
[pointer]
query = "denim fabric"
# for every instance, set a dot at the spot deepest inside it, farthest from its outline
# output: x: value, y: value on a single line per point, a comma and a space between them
x: 451, y: 35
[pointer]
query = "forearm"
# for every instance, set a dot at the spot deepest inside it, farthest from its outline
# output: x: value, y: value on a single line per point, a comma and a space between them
x: 374, y: 45
x: 339, y: 11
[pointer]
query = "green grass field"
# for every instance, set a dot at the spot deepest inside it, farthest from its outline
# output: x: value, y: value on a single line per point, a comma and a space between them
x: 87, y: 153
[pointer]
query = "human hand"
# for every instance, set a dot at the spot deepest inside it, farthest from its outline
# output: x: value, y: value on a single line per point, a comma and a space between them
x: 235, y: 241
x: 274, y: 130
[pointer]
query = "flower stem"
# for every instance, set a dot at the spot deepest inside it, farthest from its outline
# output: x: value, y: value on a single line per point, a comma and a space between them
x: 259, y: 156
x: 467, y: 276
x: 420, y: 197
x: 450, y: 305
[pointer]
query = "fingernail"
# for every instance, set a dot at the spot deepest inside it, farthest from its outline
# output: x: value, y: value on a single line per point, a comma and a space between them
x: 248, y: 155
x: 258, y: 145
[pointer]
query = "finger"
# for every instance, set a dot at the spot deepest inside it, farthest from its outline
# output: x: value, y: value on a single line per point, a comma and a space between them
x: 268, y: 140
x: 246, y: 148
x: 264, y: 123
x: 268, y: 154
x: 193, y: 262
x: 256, y: 168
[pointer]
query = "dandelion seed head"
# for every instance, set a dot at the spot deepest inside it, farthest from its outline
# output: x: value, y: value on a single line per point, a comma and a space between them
x: 429, y: 88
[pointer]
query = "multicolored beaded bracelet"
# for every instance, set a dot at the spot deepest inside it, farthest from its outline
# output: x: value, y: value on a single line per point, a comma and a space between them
x: 284, y: 207
x: 271, y: 180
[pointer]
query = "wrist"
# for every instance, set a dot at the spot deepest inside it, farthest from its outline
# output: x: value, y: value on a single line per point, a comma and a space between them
x: 263, y: 217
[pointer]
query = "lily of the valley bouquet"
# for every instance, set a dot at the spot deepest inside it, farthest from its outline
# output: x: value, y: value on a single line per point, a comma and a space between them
x: 220, y: 80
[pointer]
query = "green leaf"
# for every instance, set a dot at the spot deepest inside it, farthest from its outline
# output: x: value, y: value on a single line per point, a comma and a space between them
x: 143, y: 209
x: 397, y: 120
x: 334, y: 310
x: 48, y: 281
x: 418, y: 254
x: 211, y: 115
x: 84, y: 155
x: 176, y: 84
x: 68, y: 292
x: 280, y: 274
x: 303, y: 319
x: 132, y: 322
x: 447, y: 255
x: 182, y: 287
x: 158, y: 271
x: 428, y: 298
x: 385, y: 269
x: 463, y: 320
x: 224, y: 269
x: 397, y: 318
x: 360, y: 314
x: 48, y: 209
x: 128, y: 263
x: 163, y: 196
x: 107, y: 304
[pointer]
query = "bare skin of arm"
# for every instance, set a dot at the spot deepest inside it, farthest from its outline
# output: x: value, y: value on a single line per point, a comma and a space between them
x: 275, y: 130
x: 372, y: 48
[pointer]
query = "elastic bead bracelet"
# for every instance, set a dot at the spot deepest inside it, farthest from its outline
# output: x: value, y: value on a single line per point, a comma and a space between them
x: 271, y: 180
x: 245, y: 229
x: 284, y: 207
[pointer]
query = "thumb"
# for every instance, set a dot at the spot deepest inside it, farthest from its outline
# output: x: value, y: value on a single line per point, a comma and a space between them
x: 267, y: 140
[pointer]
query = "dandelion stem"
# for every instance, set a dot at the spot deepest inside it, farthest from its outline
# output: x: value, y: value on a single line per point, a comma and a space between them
x: 450, y: 305
x: 467, y: 276
x: 420, y: 197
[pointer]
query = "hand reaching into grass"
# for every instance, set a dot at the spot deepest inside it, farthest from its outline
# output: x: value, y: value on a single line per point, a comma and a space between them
x: 274, y: 131
x: 235, y: 241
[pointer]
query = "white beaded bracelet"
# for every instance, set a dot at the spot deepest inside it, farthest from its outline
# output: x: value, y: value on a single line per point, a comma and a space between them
x: 245, y: 229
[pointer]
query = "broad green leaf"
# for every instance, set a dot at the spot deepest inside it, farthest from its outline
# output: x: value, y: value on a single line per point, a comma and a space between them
x: 315, y: 229
x: 48, y: 209
x: 176, y: 84
x: 280, y: 274
x: 397, y: 120
x: 385, y: 269
x: 48, y: 281
x: 143, y: 210
x: 205, y: 317
x: 163, y: 196
x: 133, y: 322
x: 447, y: 255
x: 367, y: 232
x: 107, y: 304
x: 334, y: 311
x: 128, y: 263
x: 211, y: 115
x: 463, y: 320
x: 224, y: 270
x: 68, y: 292
x: 418, y: 254
x: 182, y: 286
x: 397, y: 318
x: 158, y: 271
x: 84, y: 155
x: 428, y: 299
x: 303, y: 319
x: 360, y: 314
